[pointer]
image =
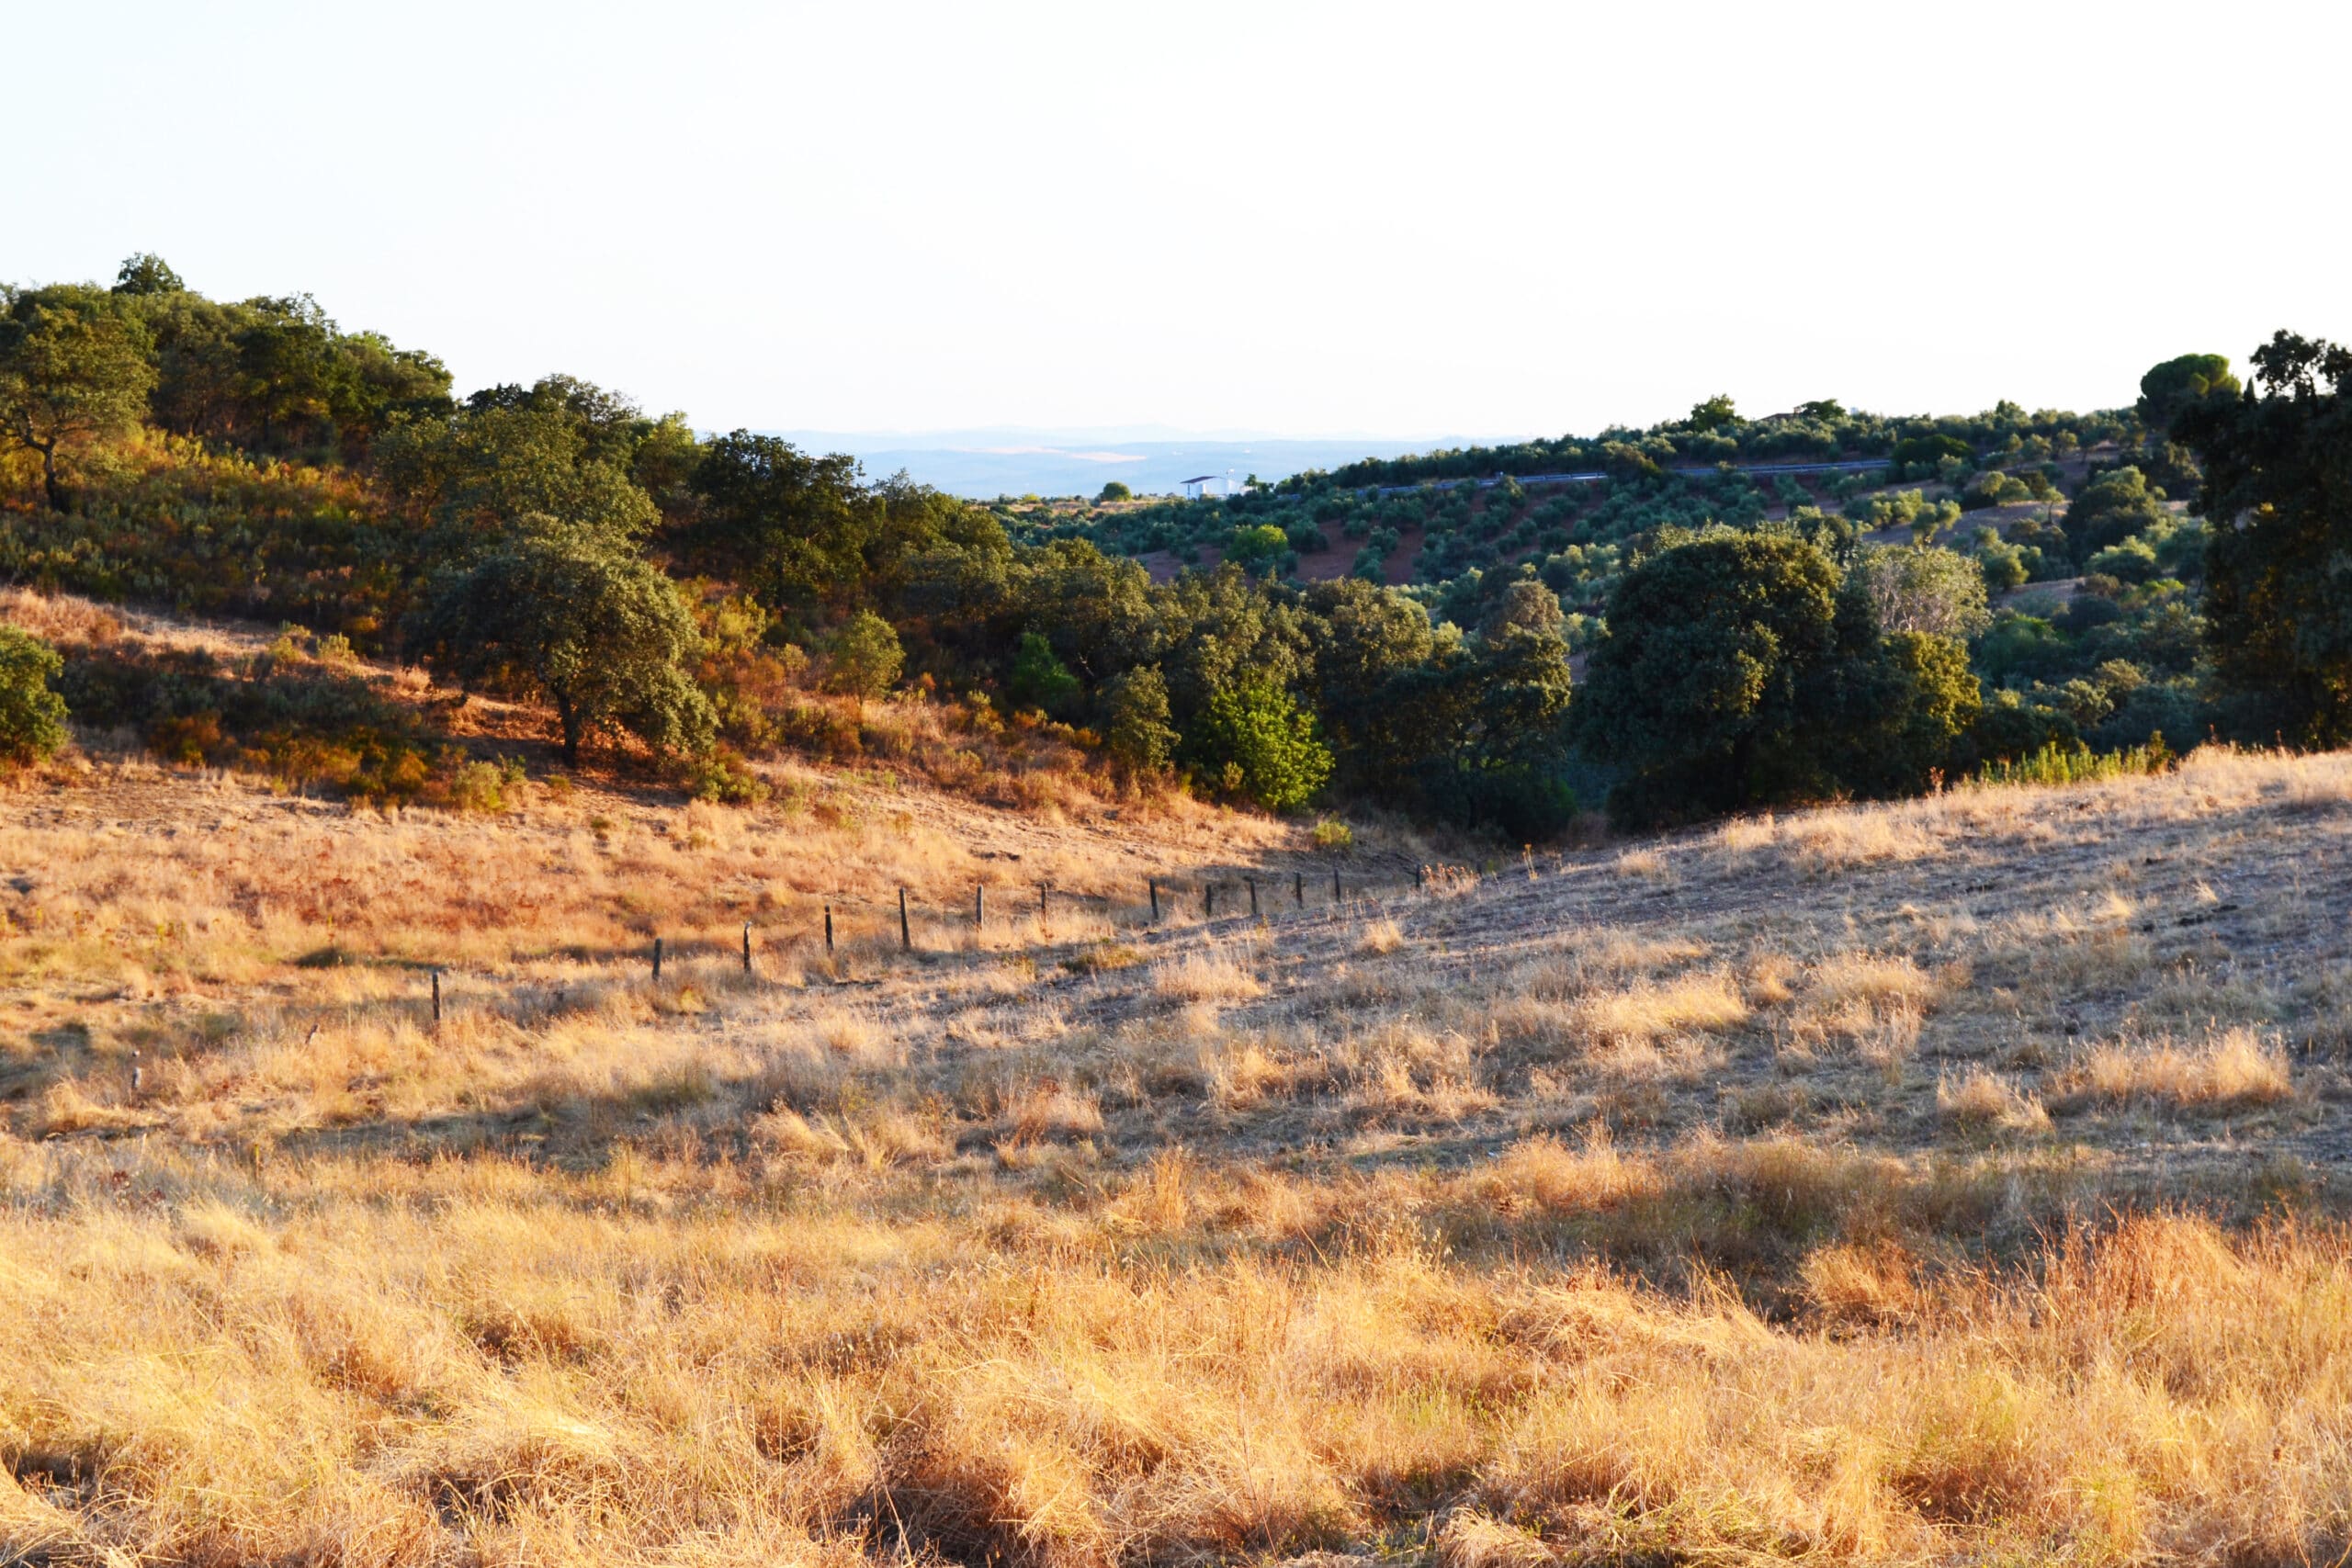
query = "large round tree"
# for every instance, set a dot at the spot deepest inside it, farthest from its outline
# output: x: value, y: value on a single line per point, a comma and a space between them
x: 1712, y: 671
x: 570, y: 612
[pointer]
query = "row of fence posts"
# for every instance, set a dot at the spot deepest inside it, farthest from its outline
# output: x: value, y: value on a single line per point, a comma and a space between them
x: 981, y: 912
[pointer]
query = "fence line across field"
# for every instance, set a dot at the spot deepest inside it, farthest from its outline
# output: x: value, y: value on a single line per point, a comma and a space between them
x: 1345, y: 893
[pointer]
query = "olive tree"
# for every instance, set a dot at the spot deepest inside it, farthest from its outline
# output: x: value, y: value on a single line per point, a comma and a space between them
x: 1935, y: 591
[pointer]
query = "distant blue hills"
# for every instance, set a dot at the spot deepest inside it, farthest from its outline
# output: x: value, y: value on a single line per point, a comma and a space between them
x: 1014, y: 461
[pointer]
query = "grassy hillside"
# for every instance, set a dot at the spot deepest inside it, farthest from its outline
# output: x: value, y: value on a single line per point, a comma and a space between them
x: 1950, y: 1181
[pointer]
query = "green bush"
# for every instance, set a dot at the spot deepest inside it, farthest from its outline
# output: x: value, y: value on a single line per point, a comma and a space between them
x: 1334, y: 836
x: 32, y: 716
x: 1039, y: 680
x: 865, y: 657
x: 1257, y: 547
x: 721, y: 776
x: 2004, y: 567
x: 1257, y: 742
x: 2058, y: 763
x: 483, y: 786
x: 2130, y: 561
x: 1136, y: 725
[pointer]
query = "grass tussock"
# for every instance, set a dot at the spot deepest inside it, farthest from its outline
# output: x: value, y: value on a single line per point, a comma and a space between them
x: 1207, y: 977
x: 1987, y: 1101
x: 1646, y: 1013
x: 2233, y: 1069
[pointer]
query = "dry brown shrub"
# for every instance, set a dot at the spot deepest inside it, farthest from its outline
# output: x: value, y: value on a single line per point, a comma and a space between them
x: 1648, y: 865
x: 1473, y: 1538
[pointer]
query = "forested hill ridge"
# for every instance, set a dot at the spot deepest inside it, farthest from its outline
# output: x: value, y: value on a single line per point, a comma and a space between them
x: 1824, y: 431
x: 2025, y: 594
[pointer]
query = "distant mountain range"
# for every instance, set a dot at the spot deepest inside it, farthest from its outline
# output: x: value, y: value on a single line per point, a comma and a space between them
x: 1011, y: 460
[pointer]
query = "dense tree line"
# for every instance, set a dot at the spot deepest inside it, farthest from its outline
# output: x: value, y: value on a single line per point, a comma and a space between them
x: 1749, y: 639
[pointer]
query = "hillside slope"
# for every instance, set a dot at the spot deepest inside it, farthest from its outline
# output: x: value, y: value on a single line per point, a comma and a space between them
x: 1925, y: 1182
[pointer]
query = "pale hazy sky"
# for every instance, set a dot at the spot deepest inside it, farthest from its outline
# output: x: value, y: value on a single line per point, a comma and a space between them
x: 1295, y: 218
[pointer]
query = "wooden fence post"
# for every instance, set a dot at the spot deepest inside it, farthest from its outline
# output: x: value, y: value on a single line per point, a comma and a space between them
x: 979, y: 905
x: 436, y: 999
x: 906, y: 937
x: 1253, y: 895
x: 1154, y: 885
x: 657, y: 960
x: 1298, y: 887
x: 1334, y: 885
x: 828, y: 931
x: 747, y: 947
x: 1208, y: 900
x: 1416, y: 879
x: 1041, y: 903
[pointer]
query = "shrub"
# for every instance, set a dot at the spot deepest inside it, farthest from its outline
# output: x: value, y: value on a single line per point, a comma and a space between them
x: 866, y: 656
x: 483, y: 786
x: 1136, y: 725
x: 1039, y: 680
x: 2058, y: 763
x: 2130, y: 561
x: 2004, y: 567
x: 1994, y: 488
x: 1259, y: 743
x: 32, y: 716
x: 721, y: 776
x: 2112, y: 508
x: 189, y: 740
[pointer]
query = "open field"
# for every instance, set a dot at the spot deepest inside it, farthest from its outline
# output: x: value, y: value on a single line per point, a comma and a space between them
x: 1948, y: 1181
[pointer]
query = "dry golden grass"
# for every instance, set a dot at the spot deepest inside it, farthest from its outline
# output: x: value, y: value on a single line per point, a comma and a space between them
x: 1698, y: 1200
x: 1984, y: 1099
x: 2234, y: 1068
x: 1207, y: 977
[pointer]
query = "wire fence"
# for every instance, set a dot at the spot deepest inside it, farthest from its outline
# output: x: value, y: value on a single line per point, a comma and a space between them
x: 930, y: 927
